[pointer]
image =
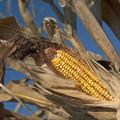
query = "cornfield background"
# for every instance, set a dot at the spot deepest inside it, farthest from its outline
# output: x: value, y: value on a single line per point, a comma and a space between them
x: 48, y: 90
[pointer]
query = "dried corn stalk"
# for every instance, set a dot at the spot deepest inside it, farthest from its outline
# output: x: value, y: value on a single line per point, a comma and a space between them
x: 69, y: 102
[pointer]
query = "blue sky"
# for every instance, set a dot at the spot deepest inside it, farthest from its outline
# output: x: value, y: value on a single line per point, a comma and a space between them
x: 43, y: 10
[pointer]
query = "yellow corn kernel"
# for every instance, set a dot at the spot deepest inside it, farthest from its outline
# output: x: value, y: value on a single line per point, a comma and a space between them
x: 69, y: 66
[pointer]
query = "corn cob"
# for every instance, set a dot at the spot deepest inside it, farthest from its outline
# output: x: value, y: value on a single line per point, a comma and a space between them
x: 70, y: 66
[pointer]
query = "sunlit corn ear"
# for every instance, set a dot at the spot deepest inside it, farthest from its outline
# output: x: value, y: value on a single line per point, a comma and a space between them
x: 70, y: 66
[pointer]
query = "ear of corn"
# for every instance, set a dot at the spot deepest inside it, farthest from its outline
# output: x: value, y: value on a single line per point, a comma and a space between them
x: 70, y: 66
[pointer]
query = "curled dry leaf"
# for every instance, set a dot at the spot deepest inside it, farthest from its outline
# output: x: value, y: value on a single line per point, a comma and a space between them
x: 65, y: 94
x: 32, y: 96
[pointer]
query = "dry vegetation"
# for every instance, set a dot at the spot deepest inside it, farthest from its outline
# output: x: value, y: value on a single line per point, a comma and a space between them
x: 55, y: 96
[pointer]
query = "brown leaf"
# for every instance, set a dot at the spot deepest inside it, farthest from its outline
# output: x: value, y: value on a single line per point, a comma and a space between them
x: 110, y: 10
x: 26, y: 93
x: 9, y: 28
x: 70, y: 19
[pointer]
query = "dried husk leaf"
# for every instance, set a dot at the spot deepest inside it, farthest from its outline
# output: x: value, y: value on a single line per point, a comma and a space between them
x: 10, y: 26
x: 73, y: 98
